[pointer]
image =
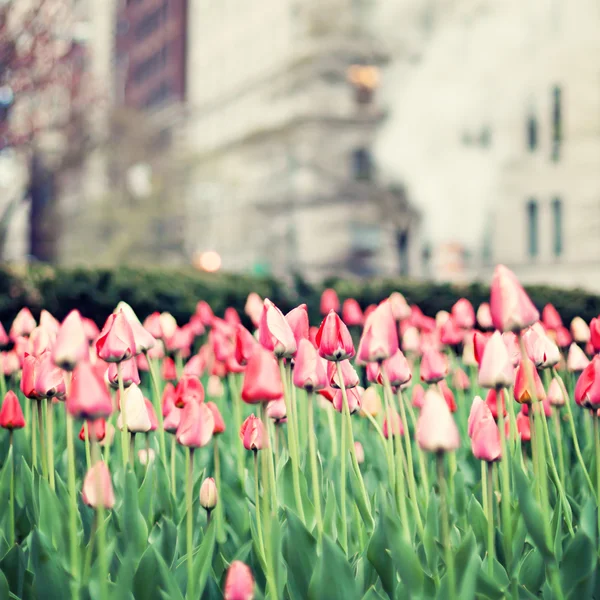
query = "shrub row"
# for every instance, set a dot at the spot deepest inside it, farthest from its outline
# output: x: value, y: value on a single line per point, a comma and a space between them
x: 95, y: 292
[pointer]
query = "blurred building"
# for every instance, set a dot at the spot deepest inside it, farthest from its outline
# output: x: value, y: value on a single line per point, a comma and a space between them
x: 283, y: 110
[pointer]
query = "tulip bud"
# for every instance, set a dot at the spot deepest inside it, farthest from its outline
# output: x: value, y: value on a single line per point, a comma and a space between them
x: 352, y: 313
x: 253, y: 434
x: 262, y: 380
x: 196, y: 425
x: 219, y: 422
x: 129, y: 374
x: 329, y: 301
x: 275, y: 333
x: 88, y: 397
x: 461, y: 380
x: 208, y: 494
x: 485, y: 443
x: 380, y: 337
x: 436, y: 429
x: 136, y: 413
x: 484, y: 316
x: 587, y: 388
x: 188, y: 390
x: 97, y: 487
x: 550, y: 318
x: 254, y: 307
x: 276, y: 410
x: 477, y: 410
x: 310, y: 369
x: 523, y: 426
x: 146, y: 456
x: 463, y: 314
x: 526, y: 376
x: 411, y: 342
x: 434, y: 366
x: 496, y: 368
x: 511, y: 307
x: 360, y: 452
x: 11, y: 414
x: 334, y: 339
x: 96, y: 430
x: 400, y: 308
x: 298, y: 321
x: 239, y: 583
x: 23, y: 324
x: 580, y: 330
x: 354, y: 396
x: 555, y: 393
x: 577, y: 361
x: 492, y: 399
x: 71, y: 345
x: 172, y: 420
x: 116, y: 342
x: 418, y: 396
x: 350, y: 377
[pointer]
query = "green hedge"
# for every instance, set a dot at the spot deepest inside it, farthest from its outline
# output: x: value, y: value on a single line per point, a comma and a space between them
x: 95, y: 292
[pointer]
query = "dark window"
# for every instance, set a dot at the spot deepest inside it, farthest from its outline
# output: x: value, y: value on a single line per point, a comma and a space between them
x: 362, y: 164
x: 152, y: 21
x: 402, y: 239
x: 557, y: 227
x: 532, y: 228
x: 532, y: 133
x: 557, y: 134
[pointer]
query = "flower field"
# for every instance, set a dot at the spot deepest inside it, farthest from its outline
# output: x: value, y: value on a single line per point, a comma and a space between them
x: 381, y: 453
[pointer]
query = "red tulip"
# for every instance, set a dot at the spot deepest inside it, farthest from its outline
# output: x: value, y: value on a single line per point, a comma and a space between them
x: 484, y: 316
x: 396, y: 428
x: 545, y: 405
x: 196, y: 426
x: 231, y: 316
x: 180, y: 341
x: 262, y: 380
x: 418, y: 396
x: 129, y: 374
x: 354, y: 396
x: 96, y: 430
x: 232, y: 365
x: 352, y: 313
x: 245, y: 344
x: 116, y: 342
x: 97, y: 487
x: 328, y: 393
x: 540, y: 348
x: 511, y: 307
x: 239, y: 583
x: 196, y: 326
x: 448, y: 396
x: 527, y: 373
x: 329, y: 301
x: 11, y: 415
x: 189, y: 390
x: 297, y: 319
x: 523, y: 426
x: 195, y: 367
x: 595, y: 334
x: 310, y: 371
x: 451, y: 334
x: 28, y: 377
x: 350, y: 377
x: 576, y: 359
x: 253, y: 434
x: 380, y: 338
x: 463, y: 314
x: 71, y: 346
x: 275, y: 333
x: 88, y: 397
x: 485, y: 443
x: 495, y: 366
x: 550, y: 318
x: 334, y: 339
x: 434, y: 366
x: 563, y: 337
x: 587, y: 389
x: 277, y: 411
x: 492, y: 402
x: 204, y: 311
x: 223, y: 345
x: 23, y: 324
x: 169, y: 370
x: 218, y: 418
x: 397, y: 369
x: 151, y: 415
x: 436, y: 429
x: 168, y: 398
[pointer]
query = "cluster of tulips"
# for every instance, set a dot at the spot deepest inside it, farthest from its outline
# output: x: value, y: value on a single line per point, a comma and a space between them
x: 385, y: 453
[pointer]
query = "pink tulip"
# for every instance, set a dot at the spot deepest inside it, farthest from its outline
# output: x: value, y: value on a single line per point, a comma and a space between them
x: 484, y: 316
x: 492, y: 402
x: 334, y: 339
x: 310, y: 370
x: 231, y: 316
x: 245, y: 344
x: 580, y: 330
x: 527, y: 375
x: 434, y: 366
x: 463, y: 314
x: 396, y: 428
x: 418, y: 396
x: 97, y: 487
x: 297, y: 319
x: 461, y: 380
x: 129, y: 374
x: 352, y: 313
x: 204, y: 311
x: 329, y: 301
x: 23, y: 324
x: 587, y: 389
x: 262, y: 379
x: 196, y: 425
x: 380, y: 338
x: 397, y: 369
x: 485, y: 443
x: 411, y: 340
x: 173, y: 419
x: 541, y: 350
x: 478, y: 408
x: 88, y: 397
x: 555, y: 393
x: 496, y: 368
x: 436, y: 429
x: 239, y: 583
x: 550, y: 318
x: 354, y: 396
x: 350, y: 377
x: 576, y: 359
x: 451, y: 334
x: 71, y: 345
x: 511, y: 307
x: 276, y: 410
x: 254, y: 307
x: 275, y: 333
x: 400, y: 308
x: 49, y: 380
x: 253, y: 434
x: 189, y: 390
x: 116, y: 342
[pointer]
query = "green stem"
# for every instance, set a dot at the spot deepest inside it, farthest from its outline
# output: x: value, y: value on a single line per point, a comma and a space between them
x: 219, y: 514
x: 12, y: 489
x: 124, y: 429
x: 490, y: 517
x: 173, y: 457
x: 237, y: 415
x: 72, y: 501
x: 189, y: 459
x: 597, y: 448
x: 292, y: 443
x: 420, y: 454
x: 445, y: 518
x: 34, y: 430
x: 332, y: 432
x: 312, y: 448
x: 44, y: 456
x: 86, y: 440
x: 50, y: 431
x: 559, y: 442
x: 574, y: 436
x: 132, y: 449
x: 505, y: 474
x: 389, y: 445
x: 2, y: 377
x: 100, y: 531
x: 87, y: 565
x: 343, y: 464
x: 259, y: 529
x: 156, y: 396
x: 178, y: 364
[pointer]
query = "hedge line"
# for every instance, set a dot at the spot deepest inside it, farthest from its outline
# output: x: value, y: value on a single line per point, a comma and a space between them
x: 95, y: 292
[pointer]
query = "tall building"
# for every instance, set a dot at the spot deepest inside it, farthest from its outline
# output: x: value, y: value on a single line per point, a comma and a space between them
x: 283, y: 100
x: 150, y: 68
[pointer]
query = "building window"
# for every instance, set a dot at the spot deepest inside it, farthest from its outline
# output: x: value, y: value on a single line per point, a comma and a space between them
x: 362, y: 164
x: 402, y: 241
x: 158, y: 95
x: 532, y: 133
x: 151, y: 65
x: 557, y: 134
x: 365, y: 244
x: 152, y: 21
x: 532, y: 228
x: 557, y: 227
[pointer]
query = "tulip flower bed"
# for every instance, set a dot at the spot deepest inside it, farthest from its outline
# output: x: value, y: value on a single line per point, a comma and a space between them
x: 381, y: 455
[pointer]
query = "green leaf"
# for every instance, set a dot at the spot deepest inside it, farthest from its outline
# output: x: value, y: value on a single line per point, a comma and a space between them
x: 362, y: 503
x: 579, y: 561
x: 299, y: 552
x: 531, y: 511
x: 4, y: 589
x: 333, y: 578
x: 372, y: 594
x: 164, y: 537
x: 478, y: 521
x: 532, y: 573
x: 51, y: 580
x: 431, y: 532
x: 464, y: 566
x: 330, y: 515
x: 203, y: 559
x: 589, y: 519
x: 381, y: 559
x: 460, y: 494
x: 13, y: 564
x: 133, y: 523
x: 518, y: 545
x: 125, y: 577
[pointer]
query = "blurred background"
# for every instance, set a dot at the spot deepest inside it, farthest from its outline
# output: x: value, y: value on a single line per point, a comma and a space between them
x: 359, y: 138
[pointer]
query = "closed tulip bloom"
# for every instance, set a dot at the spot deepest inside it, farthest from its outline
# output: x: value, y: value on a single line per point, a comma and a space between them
x: 208, y: 494
x: 196, y: 426
x: 595, y: 334
x: 297, y: 319
x: 492, y: 402
x: 136, y: 412
x: 275, y: 333
x: 400, y: 308
x: 380, y: 338
x: 480, y: 341
x: 239, y: 583
x: 360, y: 452
x: 496, y: 368
x: 334, y: 339
x: 10, y: 363
x: 512, y: 345
x: 580, y: 330
x: 463, y: 314
x: 373, y: 373
x: 151, y: 415
x: 205, y: 312
x: 276, y: 410
x: 172, y: 420
x: 436, y: 429
x: 352, y: 313
x: 576, y: 359
x: 218, y: 418
x: 478, y: 410
x: 555, y: 393
x: 511, y: 307
x: 11, y: 414
x: 350, y: 377
x: 88, y: 397
x: 254, y: 307
x: 23, y: 324
x: 397, y: 369
x: 484, y: 316
x: 129, y: 374
x: 189, y: 390
x: 441, y: 318
x: 4, y: 339
x: 396, y: 428
x: 434, y: 366
x: 41, y: 340
x: 448, y: 396
x: 354, y: 396
x: 168, y: 399
x: 144, y: 340
x: 371, y: 402
x: 152, y: 325
x: 411, y: 340
x: 253, y: 434
x: 550, y: 317
x: 587, y: 389
x: 485, y: 443
x: 523, y: 392
x: 96, y: 430
x: 451, y: 334
x: 169, y: 370
x: 195, y: 367
x: 28, y: 377
x: 262, y: 379
x: 541, y: 350
x: 49, y: 380
x: 91, y: 329
x: 223, y: 345
x: 231, y: 316
x: 168, y: 325
x: 418, y: 396
x: 97, y: 487
x: 310, y: 370
x: 563, y: 337
x: 180, y: 341
x: 196, y: 326
x: 523, y: 426
x: 71, y: 345
x: 329, y: 301
x: 116, y: 342
x: 245, y: 344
